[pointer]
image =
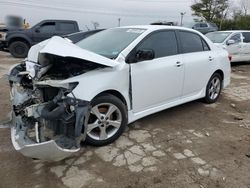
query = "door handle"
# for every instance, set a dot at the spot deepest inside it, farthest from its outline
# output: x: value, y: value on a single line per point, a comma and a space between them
x: 178, y: 64
x: 211, y: 58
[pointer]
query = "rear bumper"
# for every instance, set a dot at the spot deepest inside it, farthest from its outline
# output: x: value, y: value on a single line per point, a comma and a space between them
x: 48, y: 151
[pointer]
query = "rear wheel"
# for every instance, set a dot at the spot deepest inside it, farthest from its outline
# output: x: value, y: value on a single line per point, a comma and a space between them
x: 19, y: 49
x: 107, y: 120
x: 213, y: 89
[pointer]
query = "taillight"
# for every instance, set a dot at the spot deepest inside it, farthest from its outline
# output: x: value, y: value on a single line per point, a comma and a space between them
x: 230, y: 58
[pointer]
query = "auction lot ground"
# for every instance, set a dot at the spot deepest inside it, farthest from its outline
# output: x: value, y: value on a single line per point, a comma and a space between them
x: 194, y: 145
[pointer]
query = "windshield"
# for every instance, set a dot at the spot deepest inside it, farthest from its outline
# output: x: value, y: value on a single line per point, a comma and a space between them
x: 111, y: 42
x: 218, y: 37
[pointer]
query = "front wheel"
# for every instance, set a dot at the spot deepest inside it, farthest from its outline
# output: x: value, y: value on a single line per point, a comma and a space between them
x: 19, y: 49
x: 213, y: 89
x: 107, y: 120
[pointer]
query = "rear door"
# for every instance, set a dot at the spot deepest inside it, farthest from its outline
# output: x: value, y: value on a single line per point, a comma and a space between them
x: 245, y: 51
x: 160, y: 80
x: 197, y: 57
x: 64, y: 28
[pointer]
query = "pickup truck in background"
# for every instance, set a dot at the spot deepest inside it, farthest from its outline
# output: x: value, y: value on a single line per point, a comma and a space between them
x: 19, y: 41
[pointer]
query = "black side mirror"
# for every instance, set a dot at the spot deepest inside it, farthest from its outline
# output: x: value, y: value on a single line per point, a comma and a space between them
x: 37, y: 29
x: 144, y: 54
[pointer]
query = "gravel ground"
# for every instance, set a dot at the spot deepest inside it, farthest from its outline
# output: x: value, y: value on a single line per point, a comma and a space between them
x: 192, y: 145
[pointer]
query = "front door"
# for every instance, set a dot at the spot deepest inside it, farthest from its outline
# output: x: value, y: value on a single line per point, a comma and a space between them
x: 45, y: 31
x: 160, y: 80
x: 235, y: 49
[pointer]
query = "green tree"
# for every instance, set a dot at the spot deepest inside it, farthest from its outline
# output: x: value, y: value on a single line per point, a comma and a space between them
x: 243, y: 22
x: 240, y: 22
x: 210, y: 10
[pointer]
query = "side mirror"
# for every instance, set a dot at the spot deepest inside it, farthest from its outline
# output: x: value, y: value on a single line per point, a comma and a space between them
x: 144, y: 54
x: 37, y: 29
x: 230, y: 42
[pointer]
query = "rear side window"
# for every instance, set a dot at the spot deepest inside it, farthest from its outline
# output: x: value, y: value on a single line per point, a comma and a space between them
x: 48, y: 27
x: 246, y: 36
x: 66, y: 26
x: 163, y: 43
x: 191, y: 42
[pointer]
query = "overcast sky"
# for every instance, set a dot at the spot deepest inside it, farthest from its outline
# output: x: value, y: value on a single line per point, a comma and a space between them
x: 106, y: 12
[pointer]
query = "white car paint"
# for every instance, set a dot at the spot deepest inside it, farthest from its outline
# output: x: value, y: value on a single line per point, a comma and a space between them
x: 62, y: 47
x: 152, y: 81
x: 48, y: 151
x: 156, y: 84
x: 151, y: 90
x: 239, y: 51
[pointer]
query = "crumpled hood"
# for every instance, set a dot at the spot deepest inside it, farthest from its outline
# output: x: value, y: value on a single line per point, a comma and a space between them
x: 61, y: 47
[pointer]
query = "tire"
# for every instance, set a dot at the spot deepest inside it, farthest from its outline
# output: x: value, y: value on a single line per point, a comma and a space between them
x: 107, y: 121
x: 213, y: 88
x: 19, y: 49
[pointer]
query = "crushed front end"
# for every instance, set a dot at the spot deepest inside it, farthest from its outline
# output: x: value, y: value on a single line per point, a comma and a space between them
x: 46, y: 123
x: 49, y: 122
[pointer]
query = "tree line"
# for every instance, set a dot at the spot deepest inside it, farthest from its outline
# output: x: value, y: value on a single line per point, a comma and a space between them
x: 224, y: 13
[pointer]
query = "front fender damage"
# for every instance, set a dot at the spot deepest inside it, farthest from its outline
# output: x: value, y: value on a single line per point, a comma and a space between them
x: 46, y: 123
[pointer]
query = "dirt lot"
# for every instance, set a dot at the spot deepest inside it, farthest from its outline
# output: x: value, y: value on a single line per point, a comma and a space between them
x: 193, y: 145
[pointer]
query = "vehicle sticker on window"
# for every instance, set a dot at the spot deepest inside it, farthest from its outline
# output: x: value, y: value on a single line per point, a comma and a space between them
x: 115, y: 53
x: 135, y: 31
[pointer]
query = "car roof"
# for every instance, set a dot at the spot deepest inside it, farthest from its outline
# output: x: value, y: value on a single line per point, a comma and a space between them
x: 159, y: 27
x: 56, y: 20
x: 232, y: 31
x: 83, y: 32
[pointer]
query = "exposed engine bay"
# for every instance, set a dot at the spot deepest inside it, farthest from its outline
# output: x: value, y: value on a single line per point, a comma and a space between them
x: 44, y: 117
x: 48, y: 120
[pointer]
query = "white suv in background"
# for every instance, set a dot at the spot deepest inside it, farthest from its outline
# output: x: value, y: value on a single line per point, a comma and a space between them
x: 237, y: 43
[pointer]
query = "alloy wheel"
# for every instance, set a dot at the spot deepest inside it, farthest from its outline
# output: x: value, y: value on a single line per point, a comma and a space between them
x: 104, y: 121
x: 214, y: 88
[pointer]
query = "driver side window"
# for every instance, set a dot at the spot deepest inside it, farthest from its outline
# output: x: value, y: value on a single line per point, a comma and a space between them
x: 163, y: 44
x: 236, y: 38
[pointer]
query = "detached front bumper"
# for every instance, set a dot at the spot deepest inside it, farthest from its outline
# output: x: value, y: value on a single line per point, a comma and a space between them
x: 48, y: 151
x: 51, y: 141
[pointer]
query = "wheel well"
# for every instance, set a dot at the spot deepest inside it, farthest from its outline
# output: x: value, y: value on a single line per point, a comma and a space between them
x: 18, y: 39
x: 221, y: 73
x: 114, y: 93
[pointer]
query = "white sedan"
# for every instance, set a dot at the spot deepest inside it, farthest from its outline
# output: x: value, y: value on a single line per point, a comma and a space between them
x: 236, y: 42
x: 66, y: 93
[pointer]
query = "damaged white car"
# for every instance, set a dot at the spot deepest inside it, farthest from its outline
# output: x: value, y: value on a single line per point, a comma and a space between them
x: 66, y: 93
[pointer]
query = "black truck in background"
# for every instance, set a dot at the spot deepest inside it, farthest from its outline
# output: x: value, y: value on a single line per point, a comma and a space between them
x: 19, y: 41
